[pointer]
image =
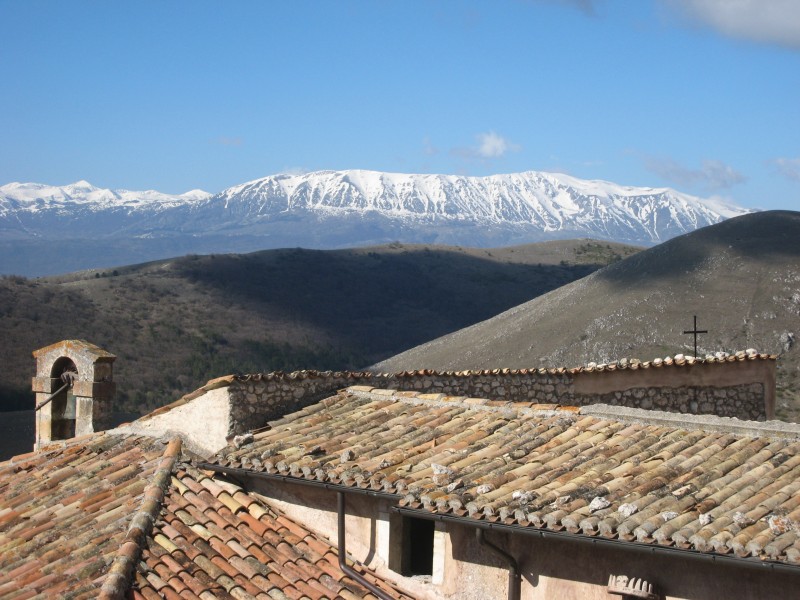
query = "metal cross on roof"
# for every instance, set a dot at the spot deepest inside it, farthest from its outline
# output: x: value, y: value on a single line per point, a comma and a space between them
x: 694, y: 332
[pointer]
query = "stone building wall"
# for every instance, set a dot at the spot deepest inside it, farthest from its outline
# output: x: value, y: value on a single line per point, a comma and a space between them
x: 740, y: 389
x: 744, y: 388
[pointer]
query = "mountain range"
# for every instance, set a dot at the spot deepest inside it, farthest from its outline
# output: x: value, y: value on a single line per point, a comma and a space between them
x: 50, y: 229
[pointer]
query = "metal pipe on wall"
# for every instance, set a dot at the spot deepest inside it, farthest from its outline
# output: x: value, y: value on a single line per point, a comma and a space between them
x: 514, y: 579
x: 342, y: 535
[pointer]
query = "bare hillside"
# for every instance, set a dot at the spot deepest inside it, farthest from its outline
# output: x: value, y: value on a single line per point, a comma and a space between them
x: 174, y: 324
x: 740, y: 277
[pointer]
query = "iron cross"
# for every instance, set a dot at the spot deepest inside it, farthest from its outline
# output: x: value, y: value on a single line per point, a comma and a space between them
x: 694, y: 332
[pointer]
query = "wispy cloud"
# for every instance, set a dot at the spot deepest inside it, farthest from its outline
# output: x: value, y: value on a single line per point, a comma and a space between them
x: 489, y: 145
x: 712, y: 174
x: 494, y: 146
x: 766, y: 21
x: 428, y: 149
x: 228, y: 141
x: 788, y: 167
x: 295, y: 171
x: 588, y: 7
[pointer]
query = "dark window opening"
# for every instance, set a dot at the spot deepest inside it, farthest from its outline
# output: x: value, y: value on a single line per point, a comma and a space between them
x: 418, y: 546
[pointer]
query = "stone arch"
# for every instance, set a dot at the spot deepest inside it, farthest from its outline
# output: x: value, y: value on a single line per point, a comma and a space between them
x: 64, y: 403
x: 85, y: 406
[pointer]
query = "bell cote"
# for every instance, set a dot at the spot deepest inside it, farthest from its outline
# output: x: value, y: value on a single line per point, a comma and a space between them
x: 74, y: 390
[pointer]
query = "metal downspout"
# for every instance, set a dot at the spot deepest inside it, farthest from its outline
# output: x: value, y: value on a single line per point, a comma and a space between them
x: 514, y: 579
x: 340, y: 505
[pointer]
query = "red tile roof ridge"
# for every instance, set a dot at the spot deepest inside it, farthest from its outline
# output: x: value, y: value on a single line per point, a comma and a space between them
x: 711, y: 423
x: 119, y: 578
x: 443, y: 400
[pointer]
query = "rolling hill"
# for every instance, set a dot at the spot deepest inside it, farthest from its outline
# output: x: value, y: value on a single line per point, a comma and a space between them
x: 740, y: 277
x: 176, y: 323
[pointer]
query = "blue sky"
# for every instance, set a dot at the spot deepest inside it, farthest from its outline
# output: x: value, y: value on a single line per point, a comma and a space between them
x: 699, y: 95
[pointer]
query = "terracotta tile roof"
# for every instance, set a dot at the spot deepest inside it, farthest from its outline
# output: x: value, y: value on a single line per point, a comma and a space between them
x: 64, y: 512
x: 547, y: 467
x: 213, y: 537
x: 112, y: 516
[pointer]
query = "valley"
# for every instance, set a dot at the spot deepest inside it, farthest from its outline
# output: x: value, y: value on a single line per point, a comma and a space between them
x: 176, y: 323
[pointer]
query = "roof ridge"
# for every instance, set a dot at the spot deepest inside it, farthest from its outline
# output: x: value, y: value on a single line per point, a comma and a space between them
x: 781, y: 430
x: 444, y: 400
x: 119, y: 577
x: 679, y: 360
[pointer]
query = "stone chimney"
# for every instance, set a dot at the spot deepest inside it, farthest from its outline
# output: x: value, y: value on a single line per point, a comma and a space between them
x: 74, y: 389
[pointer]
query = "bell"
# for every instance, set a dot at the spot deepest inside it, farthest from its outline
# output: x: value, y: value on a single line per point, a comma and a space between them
x: 69, y: 410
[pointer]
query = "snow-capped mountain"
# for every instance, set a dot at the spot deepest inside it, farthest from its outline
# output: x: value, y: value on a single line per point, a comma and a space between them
x: 328, y: 209
x: 33, y: 197
x: 534, y: 204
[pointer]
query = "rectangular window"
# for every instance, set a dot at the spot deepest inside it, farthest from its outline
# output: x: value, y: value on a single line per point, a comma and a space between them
x: 411, y: 546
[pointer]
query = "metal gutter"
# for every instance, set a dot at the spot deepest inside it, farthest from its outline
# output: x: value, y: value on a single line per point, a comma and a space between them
x: 335, y: 487
x: 752, y: 563
x: 566, y: 536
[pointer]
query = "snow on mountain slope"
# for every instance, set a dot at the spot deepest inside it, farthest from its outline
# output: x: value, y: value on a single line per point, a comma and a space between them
x: 545, y: 202
x: 346, y: 208
x: 35, y: 197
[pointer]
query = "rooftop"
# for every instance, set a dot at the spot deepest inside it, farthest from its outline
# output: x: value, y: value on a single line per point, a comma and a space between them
x: 707, y: 484
x: 111, y: 516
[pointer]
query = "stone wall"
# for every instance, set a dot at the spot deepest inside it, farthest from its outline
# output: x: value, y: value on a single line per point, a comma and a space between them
x: 230, y: 406
x: 742, y: 389
x: 742, y: 401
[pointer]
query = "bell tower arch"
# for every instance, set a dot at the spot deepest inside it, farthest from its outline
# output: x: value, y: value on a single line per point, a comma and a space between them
x: 74, y: 390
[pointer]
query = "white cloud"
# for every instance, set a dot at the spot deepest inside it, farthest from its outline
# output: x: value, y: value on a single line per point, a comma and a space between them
x: 489, y: 145
x: 769, y: 21
x: 492, y: 145
x: 788, y: 167
x: 712, y: 175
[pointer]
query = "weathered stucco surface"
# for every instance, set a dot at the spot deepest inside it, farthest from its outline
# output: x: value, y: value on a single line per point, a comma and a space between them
x: 366, y: 527
x: 203, y: 423
x: 551, y: 568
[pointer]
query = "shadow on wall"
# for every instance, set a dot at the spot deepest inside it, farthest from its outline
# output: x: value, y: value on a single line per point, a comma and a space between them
x: 553, y: 568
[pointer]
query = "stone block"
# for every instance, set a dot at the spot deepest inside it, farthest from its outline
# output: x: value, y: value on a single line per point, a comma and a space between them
x: 46, y: 385
x: 99, y: 390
